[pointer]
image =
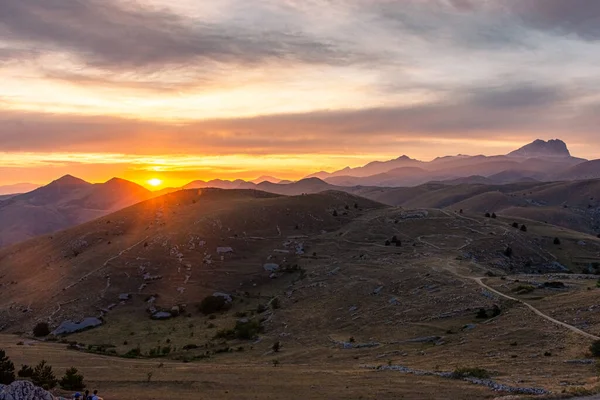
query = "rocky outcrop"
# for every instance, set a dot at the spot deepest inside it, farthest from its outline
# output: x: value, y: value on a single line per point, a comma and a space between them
x: 24, y: 390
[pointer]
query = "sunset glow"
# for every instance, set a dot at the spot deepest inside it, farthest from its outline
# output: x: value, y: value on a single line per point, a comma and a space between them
x: 235, y: 89
x: 154, y: 182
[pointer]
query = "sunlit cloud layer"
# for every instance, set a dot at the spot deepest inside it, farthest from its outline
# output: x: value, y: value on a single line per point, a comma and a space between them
x: 234, y: 88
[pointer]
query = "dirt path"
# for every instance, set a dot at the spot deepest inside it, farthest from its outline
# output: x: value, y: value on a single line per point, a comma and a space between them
x: 535, y: 310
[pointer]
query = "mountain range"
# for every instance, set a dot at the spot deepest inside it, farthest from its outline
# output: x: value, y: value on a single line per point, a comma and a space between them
x: 403, y: 181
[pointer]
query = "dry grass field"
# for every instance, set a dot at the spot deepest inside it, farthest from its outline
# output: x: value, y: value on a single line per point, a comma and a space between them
x: 353, y: 301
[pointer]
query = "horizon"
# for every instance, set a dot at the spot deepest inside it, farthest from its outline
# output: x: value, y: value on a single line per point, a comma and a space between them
x: 155, y: 183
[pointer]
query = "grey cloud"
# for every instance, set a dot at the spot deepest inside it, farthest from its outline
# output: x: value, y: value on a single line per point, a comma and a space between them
x: 110, y: 34
x: 476, y: 114
x: 570, y: 17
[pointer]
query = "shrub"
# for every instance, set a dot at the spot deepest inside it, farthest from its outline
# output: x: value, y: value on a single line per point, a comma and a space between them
x: 508, y: 252
x: 133, y: 353
x: 43, y: 376
x: 515, y: 225
x: 481, y: 314
x: 275, y: 303
x: 461, y: 373
x: 523, y: 228
x: 496, y: 311
x: 166, y: 350
x: 25, y: 372
x: 595, y: 348
x: 7, y: 369
x: 72, y: 380
x: 387, y: 243
x: 243, y: 330
x: 335, y: 213
x: 488, y: 215
x: 556, y: 241
x: 41, y: 329
x: 523, y: 289
x: 276, y: 347
x: 190, y: 346
x: 213, y: 304
x: 494, y: 215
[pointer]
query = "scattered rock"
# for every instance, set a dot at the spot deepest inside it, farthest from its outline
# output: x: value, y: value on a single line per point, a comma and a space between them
x: 24, y: 390
x: 271, y: 267
x: 71, y: 327
x: 124, y: 296
x: 377, y: 290
x: 224, y: 250
x: 227, y: 297
x: 161, y: 315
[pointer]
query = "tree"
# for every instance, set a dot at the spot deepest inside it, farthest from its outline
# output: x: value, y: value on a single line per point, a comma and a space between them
x: 481, y: 314
x: 387, y: 243
x: 41, y: 329
x: 461, y: 211
x: 72, y: 380
x: 398, y: 243
x: 43, y: 376
x: 508, y: 252
x: 7, y: 369
x: 213, y: 304
x: 595, y: 348
x: 523, y: 228
x: 25, y: 372
x: 488, y: 215
x: 494, y: 215
x: 335, y: 214
x: 394, y: 239
x: 276, y: 347
x: 556, y: 241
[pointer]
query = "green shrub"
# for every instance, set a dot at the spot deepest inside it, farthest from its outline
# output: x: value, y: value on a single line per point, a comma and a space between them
x: 41, y: 329
x: 43, y: 376
x: 72, y: 380
x: 461, y: 373
x: 595, y: 348
x: 481, y: 314
x: 25, y: 372
x: 523, y: 289
x: 7, y: 369
x: 133, y: 353
x: 243, y: 330
x: 213, y: 304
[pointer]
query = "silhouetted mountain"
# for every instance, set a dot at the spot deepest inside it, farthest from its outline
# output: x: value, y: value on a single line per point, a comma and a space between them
x: 17, y: 188
x: 541, y: 148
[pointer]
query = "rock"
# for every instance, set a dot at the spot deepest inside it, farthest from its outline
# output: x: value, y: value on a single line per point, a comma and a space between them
x: 175, y: 310
x: 71, y: 327
x: 394, y: 301
x: 124, y: 296
x: 271, y: 267
x: 468, y: 327
x: 161, y: 315
x: 581, y: 243
x: 227, y: 297
x: 377, y: 290
x: 224, y: 250
x: 24, y: 390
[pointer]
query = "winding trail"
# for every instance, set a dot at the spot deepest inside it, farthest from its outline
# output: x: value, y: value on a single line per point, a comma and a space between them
x: 535, y: 310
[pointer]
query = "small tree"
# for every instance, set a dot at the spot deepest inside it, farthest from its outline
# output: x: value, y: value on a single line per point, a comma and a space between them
x: 595, y: 348
x: 523, y: 228
x: 556, y: 241
x: 494, y: 215
x: 515, y: 225
x: 25, y: 372
x: 387, y: 243
x: 487, y: 215
x: 43, y: 376
x: 276, y: 347
x: 7, y: 369
x: 481, y: 314
x: 72, y: 380
x: 508, y: 252
x: 335, y: 214
x: 41, y: 329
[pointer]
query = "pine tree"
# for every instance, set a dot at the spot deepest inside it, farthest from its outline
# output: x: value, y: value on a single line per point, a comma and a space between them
x: 43, y: 376
x: 72, y: 380
x: 7, y: 369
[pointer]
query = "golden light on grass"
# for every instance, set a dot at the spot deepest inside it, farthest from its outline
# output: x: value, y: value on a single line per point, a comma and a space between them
x: 154, y: 182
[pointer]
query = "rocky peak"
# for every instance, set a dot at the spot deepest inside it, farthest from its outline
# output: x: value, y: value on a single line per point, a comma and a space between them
x: 541, y: 148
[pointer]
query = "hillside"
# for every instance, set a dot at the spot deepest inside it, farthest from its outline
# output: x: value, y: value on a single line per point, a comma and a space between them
x: 63, y: 203
x: 343, y: 285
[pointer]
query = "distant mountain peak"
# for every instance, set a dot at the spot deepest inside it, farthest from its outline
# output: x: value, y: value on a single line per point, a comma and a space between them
x: 542, y: 148
x: 69, y: 180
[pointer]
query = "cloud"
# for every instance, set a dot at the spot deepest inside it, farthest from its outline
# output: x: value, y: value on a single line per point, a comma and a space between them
x: 482, y: 113
x: 113, y: 34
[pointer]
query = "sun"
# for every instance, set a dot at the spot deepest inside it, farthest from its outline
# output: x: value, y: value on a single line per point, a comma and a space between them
x: 154, y: 182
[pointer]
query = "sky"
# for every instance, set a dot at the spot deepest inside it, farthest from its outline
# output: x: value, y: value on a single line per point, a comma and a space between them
x: 198, y: 89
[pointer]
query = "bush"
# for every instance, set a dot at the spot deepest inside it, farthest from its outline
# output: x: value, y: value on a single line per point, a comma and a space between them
x: 515, y: 225
x: 43, y: 376
x: 335, y: 214
x: 461, y: 373
x: 556, y: 241
x: 488, y: 215
x: 213, y: 304
x: 481, y: 314
x: 7, y: 369
x: 275, y: 303
x: 243, y: 330
x: 523, y: 289
x: 133, y: 353
x: 72, y: 380
x: 387, y: 243
x: 41, y: 329
x: 508, y: 252
x: 276, y: 347
x: 523, y: 228
x: 190, y: 346
x: 494, y: 215
x: 25, y: 372
x: 595, y: 348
